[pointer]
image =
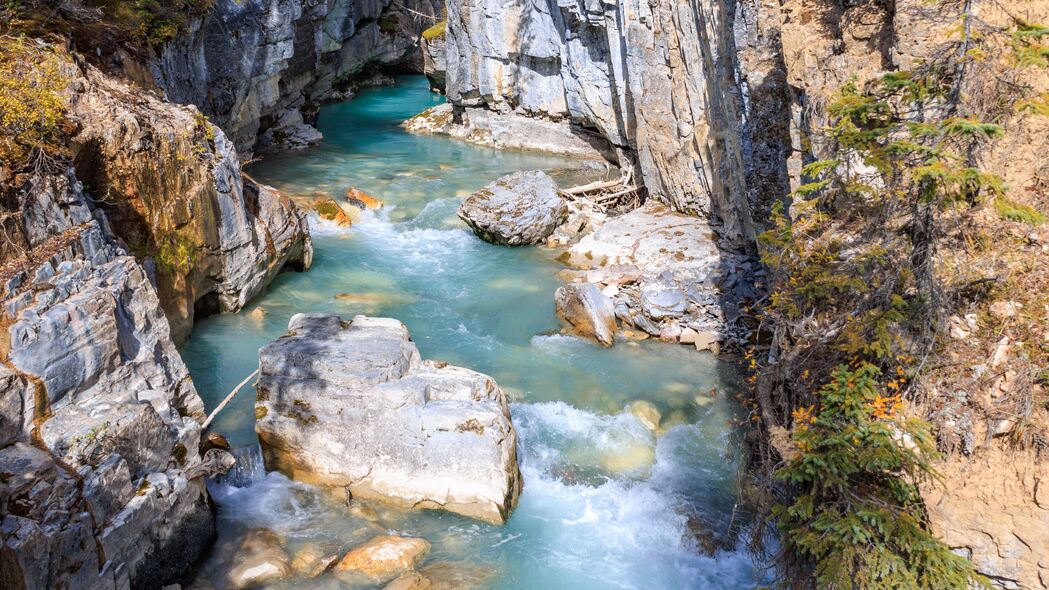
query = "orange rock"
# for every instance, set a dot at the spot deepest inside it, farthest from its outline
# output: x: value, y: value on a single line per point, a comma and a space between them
x: 361, y: 199
x: 330, y: 210
x: 384, y: 557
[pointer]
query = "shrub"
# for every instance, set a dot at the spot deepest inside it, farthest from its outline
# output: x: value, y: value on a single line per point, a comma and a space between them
x: 32, y: 99
x: 151, y: 22
x: 858, y: 514
x: 853, y: 295
x: 1012, y: 211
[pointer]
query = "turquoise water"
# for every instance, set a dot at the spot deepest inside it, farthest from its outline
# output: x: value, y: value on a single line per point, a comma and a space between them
x: 606, y: 503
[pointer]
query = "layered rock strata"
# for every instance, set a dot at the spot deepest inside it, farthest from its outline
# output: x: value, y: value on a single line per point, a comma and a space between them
x: 171, y: 186
x: 101, y: 483
x: 352, y: 405
x: 649, y: 82
x: 260, y: 68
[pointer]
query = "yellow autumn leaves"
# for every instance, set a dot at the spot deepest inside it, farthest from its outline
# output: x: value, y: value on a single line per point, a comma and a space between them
x: 32, y: 98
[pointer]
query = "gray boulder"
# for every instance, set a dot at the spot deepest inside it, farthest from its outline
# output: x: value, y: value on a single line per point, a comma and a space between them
x: 352, y: 405
x: 517, y: 210
x: 589, y: 311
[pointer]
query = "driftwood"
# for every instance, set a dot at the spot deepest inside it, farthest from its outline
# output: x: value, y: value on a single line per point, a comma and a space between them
x: 620, y: 193
x: 228, y: 399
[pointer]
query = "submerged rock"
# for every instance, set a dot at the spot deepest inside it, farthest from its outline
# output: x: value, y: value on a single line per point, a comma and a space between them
x: 410, y: 581
x: 260, y: 559
x: 647, y: 413
x: 589, y: 311
x: 312, y: 561
x: 517, y: 210
x: 351, y: 404
x: 384, y: 557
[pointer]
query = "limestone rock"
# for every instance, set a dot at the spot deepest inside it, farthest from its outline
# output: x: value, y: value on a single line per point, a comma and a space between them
x: 448, y: 575
x: 668, y: 269
x: 312, y: 561
x: 634, y: 76
x: 434, y: 48
x: 688, y: 336
x: 661, y: 298
x: 588, y: 311
x: 330, y: 210
x: 508, y: 131
x: 384, y: 557
x: 351, y: 404
x: 707, y: 340
x: 155, y: 168
x: 517, y: 210
x: 91, y: 367
x: 410, y: 581
x: 259, y: 559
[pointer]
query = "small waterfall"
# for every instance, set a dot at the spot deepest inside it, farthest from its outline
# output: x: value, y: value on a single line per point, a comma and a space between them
x: 249, y: 468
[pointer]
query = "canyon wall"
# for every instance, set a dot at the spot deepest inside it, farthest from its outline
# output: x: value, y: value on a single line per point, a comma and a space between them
x: 720, y: 103
x: 101, y: 483
x: 260, y: 68
x: 106, y: 265
x: 659, y: 82
x: 171, y: 185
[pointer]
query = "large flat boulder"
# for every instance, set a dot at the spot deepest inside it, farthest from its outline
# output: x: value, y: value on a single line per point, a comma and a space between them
x: 352, y: 405
x: 517, y: 210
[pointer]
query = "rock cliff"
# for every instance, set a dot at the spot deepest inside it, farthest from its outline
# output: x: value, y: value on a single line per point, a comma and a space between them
x: 171, y: 186
x: 719, y: 104
x: 100, y: 479
x: 259, y: 68
x: 658, y: 83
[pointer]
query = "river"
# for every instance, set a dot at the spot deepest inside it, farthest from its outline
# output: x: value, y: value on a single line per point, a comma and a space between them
x: 606, y: 503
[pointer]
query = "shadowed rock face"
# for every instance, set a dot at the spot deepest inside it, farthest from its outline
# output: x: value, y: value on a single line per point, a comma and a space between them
x: 100, y: 480
x: 351, y: 404
x: 519, y: 209
x: 259, y: 68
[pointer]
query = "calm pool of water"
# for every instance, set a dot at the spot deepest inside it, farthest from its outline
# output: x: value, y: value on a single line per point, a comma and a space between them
x: 606, y: 502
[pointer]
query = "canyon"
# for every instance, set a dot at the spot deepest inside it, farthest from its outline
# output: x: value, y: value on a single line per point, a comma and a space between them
x: 153, y: 225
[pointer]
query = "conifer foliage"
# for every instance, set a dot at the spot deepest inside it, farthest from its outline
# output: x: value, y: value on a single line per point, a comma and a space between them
x: 854, y: 311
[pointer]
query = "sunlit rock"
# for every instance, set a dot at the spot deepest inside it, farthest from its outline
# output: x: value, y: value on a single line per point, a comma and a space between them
x: 330, y: 210
x: 384, y: 557
x: 516, y: 210
x: 352, y: 405
x: 259, y: 559
x: 588, y: 311
x: 362, y: 200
